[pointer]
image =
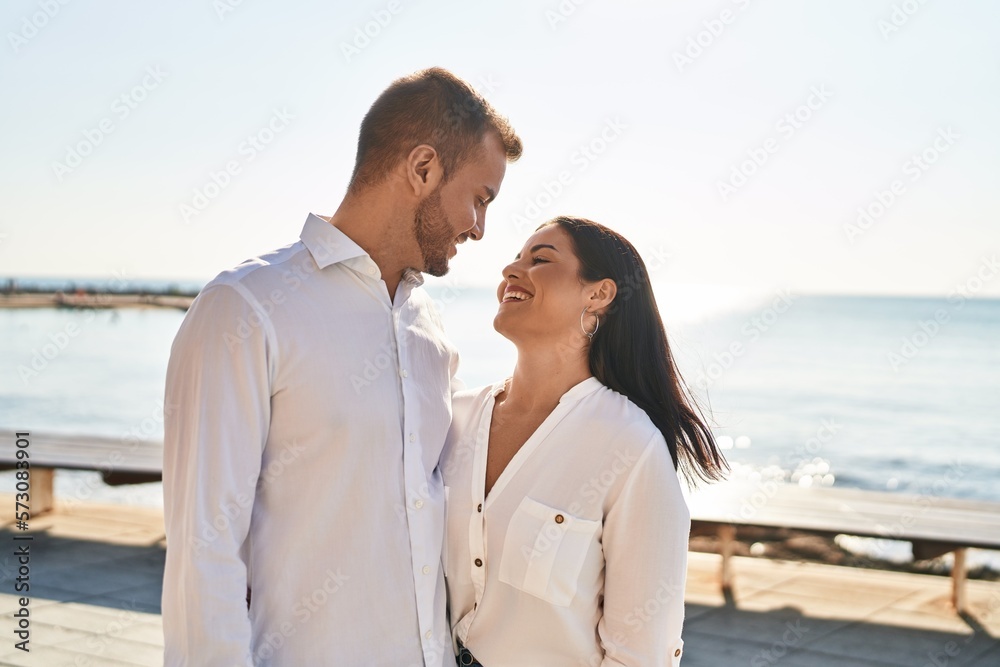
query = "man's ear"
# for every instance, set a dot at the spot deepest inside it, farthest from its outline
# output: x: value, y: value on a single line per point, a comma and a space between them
x: 423, y: 170
x: 603, y: 292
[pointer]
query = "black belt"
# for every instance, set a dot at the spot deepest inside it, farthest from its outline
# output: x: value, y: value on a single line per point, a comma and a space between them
x: 465, y: 657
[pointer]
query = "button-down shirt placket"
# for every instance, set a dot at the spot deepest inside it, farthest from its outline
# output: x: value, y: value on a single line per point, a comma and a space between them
x: 425, y: 559
x: 477, y: 526
x: 415, y: 488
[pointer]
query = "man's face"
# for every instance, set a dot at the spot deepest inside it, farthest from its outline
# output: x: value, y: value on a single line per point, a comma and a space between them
x: 456, y: 211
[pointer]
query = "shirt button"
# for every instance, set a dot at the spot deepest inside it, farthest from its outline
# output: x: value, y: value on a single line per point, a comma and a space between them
x: 428, y: 635
x: 677, y: 653
x: 371, y: 270
x: 413, y: 437
x: 479, y: 562
x: 418, y: 504
x: 480, y: 508
x: 403, y: 373
x: 560, y: 518
x: 427, y: 569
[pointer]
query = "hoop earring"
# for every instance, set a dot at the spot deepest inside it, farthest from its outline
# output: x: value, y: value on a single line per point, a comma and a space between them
x: 597, y: 325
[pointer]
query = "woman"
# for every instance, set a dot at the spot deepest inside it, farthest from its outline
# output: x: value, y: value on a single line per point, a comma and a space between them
x: 567, y: 530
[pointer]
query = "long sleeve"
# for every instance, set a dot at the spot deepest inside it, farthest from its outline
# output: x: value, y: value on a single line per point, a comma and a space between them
x: 645, y: 544
x: 217, y: 406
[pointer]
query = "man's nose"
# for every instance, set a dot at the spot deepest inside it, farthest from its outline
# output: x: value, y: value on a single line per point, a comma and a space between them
x: 479, y: 229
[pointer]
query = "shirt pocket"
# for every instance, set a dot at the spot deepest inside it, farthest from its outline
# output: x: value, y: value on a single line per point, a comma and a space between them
x: 544, y: 551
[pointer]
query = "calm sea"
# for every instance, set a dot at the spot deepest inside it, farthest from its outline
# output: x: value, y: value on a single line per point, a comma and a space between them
x: 898, y: 394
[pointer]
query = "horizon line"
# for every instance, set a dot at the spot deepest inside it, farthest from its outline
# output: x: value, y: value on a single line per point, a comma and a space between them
x: 90, y: 281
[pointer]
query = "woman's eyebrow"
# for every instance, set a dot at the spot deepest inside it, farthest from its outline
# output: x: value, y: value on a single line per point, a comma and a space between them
x: 536, y: 248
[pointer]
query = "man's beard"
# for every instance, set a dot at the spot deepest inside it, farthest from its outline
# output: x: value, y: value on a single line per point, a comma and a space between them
x: 434, y: 234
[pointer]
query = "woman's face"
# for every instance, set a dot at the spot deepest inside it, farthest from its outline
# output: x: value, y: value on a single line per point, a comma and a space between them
x: 541, y: 294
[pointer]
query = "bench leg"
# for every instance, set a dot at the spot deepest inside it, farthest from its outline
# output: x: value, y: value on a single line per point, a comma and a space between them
x: 958, y: 581
x: 727, y: 537
x: 41, y: 499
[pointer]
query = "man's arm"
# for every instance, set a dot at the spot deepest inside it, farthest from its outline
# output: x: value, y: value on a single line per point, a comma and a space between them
x: 456, y: 383
x: 217, y: 411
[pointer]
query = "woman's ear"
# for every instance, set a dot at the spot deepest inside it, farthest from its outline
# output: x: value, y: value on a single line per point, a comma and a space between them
x: 424, y: 172
x: 603, y: 292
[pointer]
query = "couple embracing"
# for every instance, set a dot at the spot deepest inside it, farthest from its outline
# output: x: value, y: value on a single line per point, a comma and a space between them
x: 313, y: 519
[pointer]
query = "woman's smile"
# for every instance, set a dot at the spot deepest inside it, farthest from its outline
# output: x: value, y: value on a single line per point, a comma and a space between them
x: 514, y: 293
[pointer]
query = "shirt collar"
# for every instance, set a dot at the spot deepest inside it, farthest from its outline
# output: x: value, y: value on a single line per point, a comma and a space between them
x: 329, y: 245
x: 574, y: 393
x: 581, y: 389
x: 413, y: 277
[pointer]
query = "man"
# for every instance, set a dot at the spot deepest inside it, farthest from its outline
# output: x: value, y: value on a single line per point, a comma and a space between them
x: 310, y: 399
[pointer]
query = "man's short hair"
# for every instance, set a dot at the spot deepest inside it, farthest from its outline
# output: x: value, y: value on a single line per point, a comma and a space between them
x: 434, y: 107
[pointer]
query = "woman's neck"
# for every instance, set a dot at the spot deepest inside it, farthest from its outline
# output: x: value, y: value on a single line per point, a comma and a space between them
x: 542, y: 376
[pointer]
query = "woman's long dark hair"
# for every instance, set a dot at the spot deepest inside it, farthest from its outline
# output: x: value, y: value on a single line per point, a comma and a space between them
x: 630, y: 353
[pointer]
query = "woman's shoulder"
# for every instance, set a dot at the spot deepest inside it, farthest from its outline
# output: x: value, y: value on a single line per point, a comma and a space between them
x: 475, y: 394
x: 619, y: 414
x: 469, y: 401
x: 622, y: 443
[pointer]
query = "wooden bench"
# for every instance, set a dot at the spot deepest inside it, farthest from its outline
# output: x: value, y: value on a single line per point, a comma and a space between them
x: 932, y: 524
x: 118, y: 462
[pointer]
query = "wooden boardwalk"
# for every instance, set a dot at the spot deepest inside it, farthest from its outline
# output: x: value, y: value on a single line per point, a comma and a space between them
x: 96, y: 574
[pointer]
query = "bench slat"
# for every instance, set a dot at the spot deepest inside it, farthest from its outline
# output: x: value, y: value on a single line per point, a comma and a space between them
x: 850, y: 511
x: 86, y: 453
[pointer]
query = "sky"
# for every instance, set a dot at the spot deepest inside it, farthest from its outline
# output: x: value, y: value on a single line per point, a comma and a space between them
x: 838, y: 147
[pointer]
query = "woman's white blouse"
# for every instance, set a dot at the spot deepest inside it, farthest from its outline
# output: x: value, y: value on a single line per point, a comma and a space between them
x: 578, y: 556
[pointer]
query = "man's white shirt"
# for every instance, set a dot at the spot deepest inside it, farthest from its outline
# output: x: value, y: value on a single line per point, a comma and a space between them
x: 305, y: 415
